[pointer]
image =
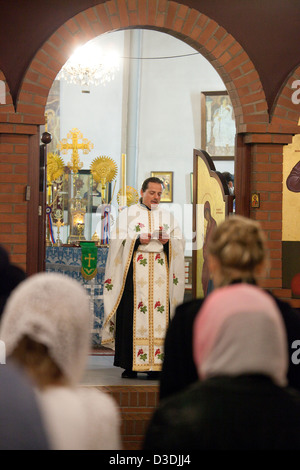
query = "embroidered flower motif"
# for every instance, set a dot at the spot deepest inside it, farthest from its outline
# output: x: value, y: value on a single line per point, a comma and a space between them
x: 141, y: 260
x: 108, y: 285
x: 159, y: 259
x: 160, y: 308
x: 175, y: 280
x: 139, y: 226
x: 142, y: 355
x: 159, y: 354
x: 142, y: 307
x: 111, y: 326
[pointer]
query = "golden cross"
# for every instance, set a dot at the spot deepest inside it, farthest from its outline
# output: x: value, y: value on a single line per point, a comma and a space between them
x: 89, y: 258
x: 59, y: 224
x: 64, y: 146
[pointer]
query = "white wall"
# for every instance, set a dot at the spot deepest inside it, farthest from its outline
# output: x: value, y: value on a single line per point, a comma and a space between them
x: 170, y: 110
x: 98, y: 114
x: 169, y: 114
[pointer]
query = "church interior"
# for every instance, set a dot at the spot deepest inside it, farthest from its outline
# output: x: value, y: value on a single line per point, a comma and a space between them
x: 152, y: 113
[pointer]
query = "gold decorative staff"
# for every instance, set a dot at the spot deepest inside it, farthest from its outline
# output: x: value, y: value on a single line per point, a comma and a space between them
x: 132, y: 196
x: 103, y: 170
x: 64, y: 146
x: 59, y: 224
x: 123, y: 182
x: 55, y: 169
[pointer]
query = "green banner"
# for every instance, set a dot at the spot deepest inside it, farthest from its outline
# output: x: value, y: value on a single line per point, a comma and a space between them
x: 88, y: 260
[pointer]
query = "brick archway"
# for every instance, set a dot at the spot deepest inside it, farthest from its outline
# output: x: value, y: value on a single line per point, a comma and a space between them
x: 8, y: 106
x: 260, y: 135
x: 202, y: 33
x: 286, y: 111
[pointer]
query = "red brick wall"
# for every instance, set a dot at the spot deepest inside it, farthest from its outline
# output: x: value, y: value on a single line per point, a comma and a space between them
x: 136, y: 404
x: 266, y: 179
x: 13, y: 208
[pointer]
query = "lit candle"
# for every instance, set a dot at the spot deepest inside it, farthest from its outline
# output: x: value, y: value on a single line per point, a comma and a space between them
x: 123, y: 189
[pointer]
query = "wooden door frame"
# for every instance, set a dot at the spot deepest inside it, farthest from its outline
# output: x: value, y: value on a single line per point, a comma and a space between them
x: 36, y: 237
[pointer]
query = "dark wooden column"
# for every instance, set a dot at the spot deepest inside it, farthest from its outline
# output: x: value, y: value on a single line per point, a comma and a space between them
x: 36, y: 239
x: 242, y: 177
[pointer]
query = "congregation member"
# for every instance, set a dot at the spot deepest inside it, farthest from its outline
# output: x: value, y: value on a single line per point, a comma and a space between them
x: 21, y: 422
x: 10, y: 276
x: 46, y: 328
x: 240, y: 401
x: 21, y: 425
x: 237, y: 253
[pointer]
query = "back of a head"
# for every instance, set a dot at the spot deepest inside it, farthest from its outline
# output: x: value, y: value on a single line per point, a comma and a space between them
x: 228, y: 177
x: 4, y: 261
x: 10, y: 277
x: 239, y: 330
x: 239, y: 245
x: 51, y: 310
x: 14, y: 275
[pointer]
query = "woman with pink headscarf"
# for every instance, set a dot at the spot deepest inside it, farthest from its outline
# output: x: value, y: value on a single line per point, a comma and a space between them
x: 241, y: 401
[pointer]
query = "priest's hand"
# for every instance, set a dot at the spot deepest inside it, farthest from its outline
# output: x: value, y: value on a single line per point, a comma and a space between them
x: 163, y: 237
x: 145, y: 238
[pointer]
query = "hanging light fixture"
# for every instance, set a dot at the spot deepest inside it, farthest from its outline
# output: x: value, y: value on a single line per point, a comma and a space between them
x: 87, y: 66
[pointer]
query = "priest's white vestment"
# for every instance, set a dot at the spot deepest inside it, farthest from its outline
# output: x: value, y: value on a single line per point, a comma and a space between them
x: 158, y: 282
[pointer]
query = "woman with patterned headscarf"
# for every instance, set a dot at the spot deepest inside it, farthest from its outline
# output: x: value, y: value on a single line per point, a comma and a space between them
x: 46, y: 329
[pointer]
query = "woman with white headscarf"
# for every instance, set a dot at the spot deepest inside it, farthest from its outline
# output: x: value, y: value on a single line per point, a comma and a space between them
x: 241, y: 401
x: 46, y: 329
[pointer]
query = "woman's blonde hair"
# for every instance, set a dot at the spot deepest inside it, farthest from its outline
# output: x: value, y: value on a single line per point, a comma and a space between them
x: 238, y: 243
x: 34, y: 358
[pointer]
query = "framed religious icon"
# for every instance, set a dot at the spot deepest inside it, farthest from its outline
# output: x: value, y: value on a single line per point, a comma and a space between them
x: 211, y: 204
x: 290, y: 217
x: 218, y: 128
x: 167, y: 179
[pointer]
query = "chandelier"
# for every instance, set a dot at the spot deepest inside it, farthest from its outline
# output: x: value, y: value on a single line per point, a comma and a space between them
x: 87, y: 66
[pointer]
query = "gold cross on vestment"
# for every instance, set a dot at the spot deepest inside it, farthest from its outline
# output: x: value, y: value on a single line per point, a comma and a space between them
x: 64, y: 146
x: 160, y: 281
x: 142, y: 283
x: 89, y: 258
x: 142, y: 331
x: 118, y: 261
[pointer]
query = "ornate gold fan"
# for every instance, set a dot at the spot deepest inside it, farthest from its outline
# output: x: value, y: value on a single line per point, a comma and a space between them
x: 55, y: 167
x: 104, y: 170
x: 132, y: 196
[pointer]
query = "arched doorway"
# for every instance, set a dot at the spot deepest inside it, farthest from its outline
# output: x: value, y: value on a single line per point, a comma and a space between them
x: 160, y: 100
x: 153, y: 111
x: 203, y: 34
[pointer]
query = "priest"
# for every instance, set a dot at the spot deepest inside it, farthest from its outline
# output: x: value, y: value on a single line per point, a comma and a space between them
x: 144, y: 282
